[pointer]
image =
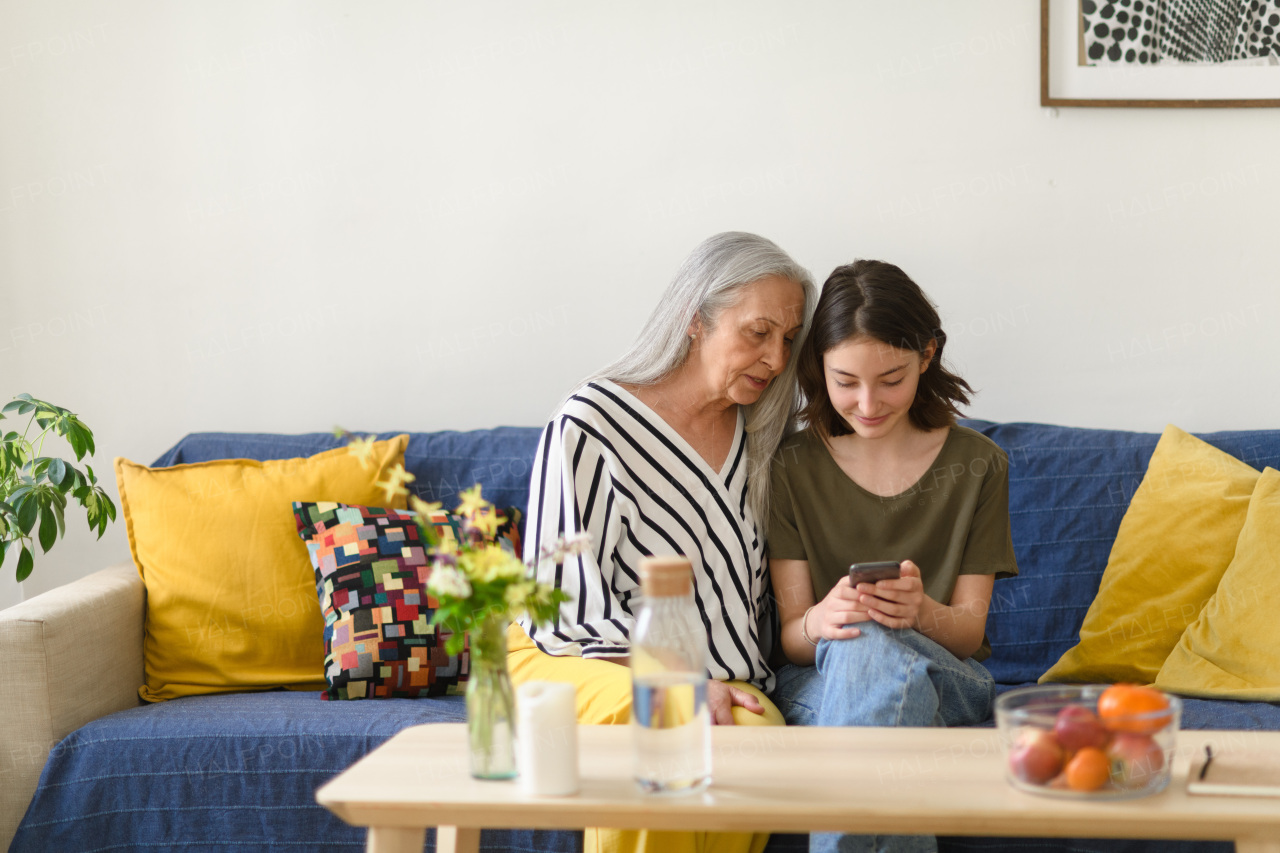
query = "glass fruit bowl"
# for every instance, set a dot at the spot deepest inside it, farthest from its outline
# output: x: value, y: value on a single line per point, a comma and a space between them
x: 1090, y: 741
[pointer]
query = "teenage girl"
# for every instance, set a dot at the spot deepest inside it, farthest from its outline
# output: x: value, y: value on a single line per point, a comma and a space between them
x: 883, y: 473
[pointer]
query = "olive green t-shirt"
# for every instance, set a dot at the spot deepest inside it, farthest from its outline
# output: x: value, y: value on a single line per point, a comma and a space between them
x: 953, y: 521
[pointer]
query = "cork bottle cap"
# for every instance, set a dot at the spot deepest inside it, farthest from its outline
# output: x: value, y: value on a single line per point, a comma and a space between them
x: 666, y: 577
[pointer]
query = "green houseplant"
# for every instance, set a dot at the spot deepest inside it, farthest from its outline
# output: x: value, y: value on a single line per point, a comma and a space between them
x: 34, y: 488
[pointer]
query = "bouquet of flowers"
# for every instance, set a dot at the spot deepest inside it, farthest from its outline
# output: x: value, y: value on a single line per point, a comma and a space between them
x: 479, y: 587
x: 476, y: 581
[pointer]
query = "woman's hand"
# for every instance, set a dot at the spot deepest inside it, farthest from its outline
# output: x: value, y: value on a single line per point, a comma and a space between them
x: 833, y: 617
x: 893, y: 603
x: 722, y: 697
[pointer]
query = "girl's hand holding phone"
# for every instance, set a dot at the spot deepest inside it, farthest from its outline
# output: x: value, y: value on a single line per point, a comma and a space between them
x: 893, y: 603
x: 834, y: 617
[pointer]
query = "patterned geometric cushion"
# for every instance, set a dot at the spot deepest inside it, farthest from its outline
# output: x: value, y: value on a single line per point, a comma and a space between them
x: 371, y: 574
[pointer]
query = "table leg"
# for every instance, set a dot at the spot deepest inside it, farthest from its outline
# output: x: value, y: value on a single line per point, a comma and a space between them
x: 395, y: 839
x: 1257, y: 845
x: 457, y: 839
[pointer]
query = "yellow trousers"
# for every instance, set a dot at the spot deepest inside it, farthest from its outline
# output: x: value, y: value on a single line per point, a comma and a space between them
x: 604, y: 698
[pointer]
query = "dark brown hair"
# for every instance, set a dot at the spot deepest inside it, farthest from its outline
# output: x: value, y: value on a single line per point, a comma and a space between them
x: 877, y: 300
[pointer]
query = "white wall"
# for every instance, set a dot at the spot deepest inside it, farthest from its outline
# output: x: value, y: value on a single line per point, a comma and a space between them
x: 424, y: 215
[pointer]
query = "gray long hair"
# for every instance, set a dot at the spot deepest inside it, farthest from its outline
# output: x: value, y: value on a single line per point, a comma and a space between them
x: 709, y: 281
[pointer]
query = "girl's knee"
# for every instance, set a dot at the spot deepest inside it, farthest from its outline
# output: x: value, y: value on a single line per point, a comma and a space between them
x: 876, y: 642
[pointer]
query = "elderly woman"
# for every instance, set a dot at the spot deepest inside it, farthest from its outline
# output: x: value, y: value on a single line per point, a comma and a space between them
x: 666, y: 451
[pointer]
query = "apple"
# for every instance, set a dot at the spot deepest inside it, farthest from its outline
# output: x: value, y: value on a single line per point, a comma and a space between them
x: 1036, y: 757
x: 1136, y: 759
x: 1077, y: 727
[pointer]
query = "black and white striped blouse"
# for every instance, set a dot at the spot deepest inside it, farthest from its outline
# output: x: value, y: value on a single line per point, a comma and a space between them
x: 608, y: 465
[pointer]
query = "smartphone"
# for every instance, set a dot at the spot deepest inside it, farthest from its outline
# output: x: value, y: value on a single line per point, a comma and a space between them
x: 872, y: 572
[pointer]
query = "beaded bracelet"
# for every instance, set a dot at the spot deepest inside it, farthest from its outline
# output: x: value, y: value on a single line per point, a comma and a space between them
x: 804, y: 621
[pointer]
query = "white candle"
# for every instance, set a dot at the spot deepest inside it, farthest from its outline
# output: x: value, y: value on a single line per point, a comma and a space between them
x: 547, y: 738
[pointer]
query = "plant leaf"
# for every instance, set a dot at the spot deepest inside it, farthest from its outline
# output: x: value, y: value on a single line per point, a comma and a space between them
x: 100, y: 511
x: 103, y: 511
x: 77, y: 443
x: 59, y: 511
x: 12, y: 407
x: 27, y: 515
x: 48, y: 529
x: 92, y: 510
x: 57, y: 472
x: 24, y: 564
x: 11, y: 457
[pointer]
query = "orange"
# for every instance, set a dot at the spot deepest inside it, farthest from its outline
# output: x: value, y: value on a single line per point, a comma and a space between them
x: 1122, y: 707
x: 1088, y: 770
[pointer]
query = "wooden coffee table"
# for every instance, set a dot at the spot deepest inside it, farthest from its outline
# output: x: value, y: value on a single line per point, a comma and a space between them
x: 865, y: 780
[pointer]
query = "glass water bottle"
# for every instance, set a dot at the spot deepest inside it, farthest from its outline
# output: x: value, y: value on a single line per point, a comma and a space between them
x: 669, y: 718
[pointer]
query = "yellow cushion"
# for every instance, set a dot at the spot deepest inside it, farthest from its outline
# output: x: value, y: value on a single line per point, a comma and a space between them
x: 231, y: 597
x: 1175, y: 541
x: 1233, y: 650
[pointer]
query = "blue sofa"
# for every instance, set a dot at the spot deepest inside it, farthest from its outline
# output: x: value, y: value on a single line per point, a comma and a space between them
x: 239, y: 772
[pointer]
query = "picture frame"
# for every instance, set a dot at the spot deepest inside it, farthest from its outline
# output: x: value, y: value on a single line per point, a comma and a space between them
x: 1066, y: 82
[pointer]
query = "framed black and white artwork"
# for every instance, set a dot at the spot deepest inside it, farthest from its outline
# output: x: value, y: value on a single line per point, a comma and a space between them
x: 1160, y: 53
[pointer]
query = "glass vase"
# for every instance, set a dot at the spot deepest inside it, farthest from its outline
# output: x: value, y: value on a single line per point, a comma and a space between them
x: 491, y: 703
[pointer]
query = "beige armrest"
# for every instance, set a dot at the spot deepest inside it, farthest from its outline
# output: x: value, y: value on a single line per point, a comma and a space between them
x: 70, y: 656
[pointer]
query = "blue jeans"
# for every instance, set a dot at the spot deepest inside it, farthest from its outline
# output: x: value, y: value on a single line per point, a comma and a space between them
x: 885, y: 677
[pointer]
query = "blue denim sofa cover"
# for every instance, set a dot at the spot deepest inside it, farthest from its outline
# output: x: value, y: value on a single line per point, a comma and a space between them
x: 239, y: 772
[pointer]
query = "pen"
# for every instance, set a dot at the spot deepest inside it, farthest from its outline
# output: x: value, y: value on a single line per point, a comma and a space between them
x: 1208, y: 758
